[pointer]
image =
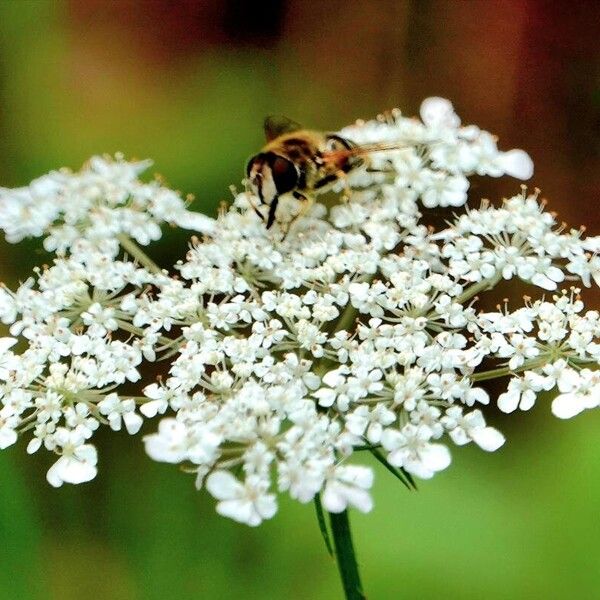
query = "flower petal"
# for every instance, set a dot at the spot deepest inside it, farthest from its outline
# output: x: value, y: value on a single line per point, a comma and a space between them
x: 223, y: 485
x: 566, y: 406
x: 487, y: 438
x: 436, y: 111
x: 516, y: 163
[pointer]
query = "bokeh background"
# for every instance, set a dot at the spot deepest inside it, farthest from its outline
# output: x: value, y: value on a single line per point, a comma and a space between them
x: 188, y: 84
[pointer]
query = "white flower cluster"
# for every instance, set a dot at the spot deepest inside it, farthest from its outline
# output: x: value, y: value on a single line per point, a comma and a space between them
x: 359, y: 331
x: 89, y: 210
x: 61, y: 387
x: 438, y: 155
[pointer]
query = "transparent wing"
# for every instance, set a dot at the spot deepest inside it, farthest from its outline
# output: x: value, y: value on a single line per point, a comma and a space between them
x: 276, y: 125
x: 335, y: 155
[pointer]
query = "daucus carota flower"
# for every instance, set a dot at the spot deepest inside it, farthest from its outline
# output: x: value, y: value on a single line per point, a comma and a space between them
x: 287, y: 357
x: 89, y: 210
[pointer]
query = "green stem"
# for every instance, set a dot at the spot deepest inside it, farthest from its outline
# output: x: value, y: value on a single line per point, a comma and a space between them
x: 130, y: 328
x: 323, y: 524
x: 473, y: 290
x: 138, y: 399
x: 505, y: 371
x: 481, y: 286
x: 347, y: 319
x: 349, y: 315
x: 529, y: 366
x: 345, y: 556
x: 404, y: 477
x: 136, y: 252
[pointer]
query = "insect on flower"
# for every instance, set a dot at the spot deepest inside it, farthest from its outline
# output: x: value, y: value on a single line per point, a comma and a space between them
x: 303, y: 163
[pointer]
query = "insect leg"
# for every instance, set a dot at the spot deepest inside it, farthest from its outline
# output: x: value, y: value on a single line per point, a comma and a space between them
x: 272, y: 210
x: 307, y: 202
x: 384, y: 171
x: 343, y: 177
x: 254, y: 207
x: 325, y: 181
x: 340, y: 175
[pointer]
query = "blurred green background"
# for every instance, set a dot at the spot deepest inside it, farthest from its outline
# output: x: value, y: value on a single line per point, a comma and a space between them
x: 188, y: 84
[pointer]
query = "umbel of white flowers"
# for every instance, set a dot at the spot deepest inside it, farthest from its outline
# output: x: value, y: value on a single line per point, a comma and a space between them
x: 285, y: 358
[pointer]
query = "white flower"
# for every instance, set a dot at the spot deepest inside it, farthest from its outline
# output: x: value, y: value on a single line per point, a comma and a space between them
x: 159, y: 400
x: 103, y: 200
x: 347, y: 486
x: 519, y: 350
x: 77, y: 463
x: 78, y: 418
x: 247, y: 502
x: 117, y: 410
x: 6, y: 343
x: 445, y: 191
x: 411, y: 449
x: 175, y: 442
x: 438, y: 112
x: 370, y: 423
x: 516, y: 163
x: 464, y: 428
x: 101, y: 319
x: 522, y: 392
x: 169, y: 444
x: 287, y: 352
x: 8, y: 436
x: 584, y: 394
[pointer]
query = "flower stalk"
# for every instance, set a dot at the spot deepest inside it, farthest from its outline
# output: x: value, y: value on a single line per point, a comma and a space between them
x: 136, y: 252
x: 346, y: 556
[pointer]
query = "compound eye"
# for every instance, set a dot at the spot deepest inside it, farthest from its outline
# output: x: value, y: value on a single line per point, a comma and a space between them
x: 259, y: 158
x: 285, y: 175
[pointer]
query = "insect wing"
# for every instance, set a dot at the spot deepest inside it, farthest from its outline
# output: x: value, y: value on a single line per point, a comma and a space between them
x: 364, y: 149
x: 276, y: 125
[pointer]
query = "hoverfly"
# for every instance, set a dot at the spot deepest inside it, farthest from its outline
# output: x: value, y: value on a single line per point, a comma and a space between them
x: 301, y: 162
